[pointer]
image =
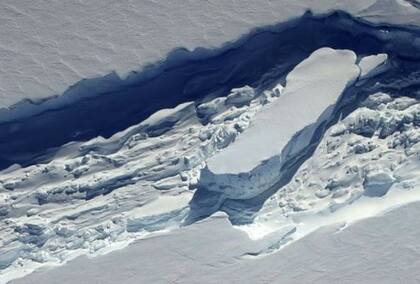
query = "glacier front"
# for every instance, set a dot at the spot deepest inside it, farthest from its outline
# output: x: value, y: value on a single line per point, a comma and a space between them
x: 274, y: 158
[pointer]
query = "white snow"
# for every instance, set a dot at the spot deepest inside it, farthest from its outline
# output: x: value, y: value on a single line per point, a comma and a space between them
x: 365, y: 165
x: 212, y: 252
x: 284, y: 129
x: 48, y: 46
x: 137, y: 182
x: 369, y: 63
x: 103, y: 194
x: 312, y: 87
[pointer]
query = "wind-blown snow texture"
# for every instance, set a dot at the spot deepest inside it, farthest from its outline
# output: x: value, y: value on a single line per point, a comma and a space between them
x: 50, y: 45
x: 213, y: 252
x: 309, y: 123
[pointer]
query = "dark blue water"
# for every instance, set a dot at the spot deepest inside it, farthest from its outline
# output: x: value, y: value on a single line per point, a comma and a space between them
x: 185, y: 76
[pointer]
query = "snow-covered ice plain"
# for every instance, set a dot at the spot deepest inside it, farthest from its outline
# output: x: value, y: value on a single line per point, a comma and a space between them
x: 213, y: 252
x: 48, y: 46
x: 282, y: 148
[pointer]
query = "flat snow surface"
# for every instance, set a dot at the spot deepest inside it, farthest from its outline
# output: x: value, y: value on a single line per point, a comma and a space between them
x: 48, y: 46
x: 213, y: 252
x: 312, y: 87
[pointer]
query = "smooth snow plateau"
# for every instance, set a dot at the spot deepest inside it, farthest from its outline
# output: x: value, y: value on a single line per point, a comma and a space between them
x: 213, y: 252
x: 48, y: 46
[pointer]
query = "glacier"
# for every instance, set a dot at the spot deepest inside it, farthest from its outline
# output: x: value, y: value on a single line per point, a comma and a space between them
x: 293, y: 134
x: 212, y: 252
x: 50, y: 46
